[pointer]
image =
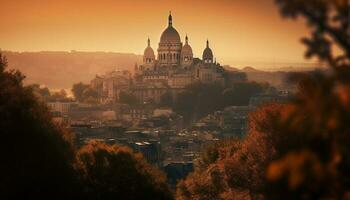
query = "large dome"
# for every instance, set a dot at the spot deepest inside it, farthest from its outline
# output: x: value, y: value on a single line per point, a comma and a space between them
x: 170, y: 35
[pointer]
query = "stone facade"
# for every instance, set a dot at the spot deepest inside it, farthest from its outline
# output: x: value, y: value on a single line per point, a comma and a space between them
x: 175, y: 66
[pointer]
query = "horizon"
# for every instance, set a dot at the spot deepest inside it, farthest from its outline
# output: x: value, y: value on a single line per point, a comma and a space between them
x: 238, y: 64
x: 243, y: 32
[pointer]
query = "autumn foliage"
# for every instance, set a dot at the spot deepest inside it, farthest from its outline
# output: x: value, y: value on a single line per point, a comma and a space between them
x: 236, y: 169
x: 115, y: 172
x: 38, y: 159
x: 300, y: 150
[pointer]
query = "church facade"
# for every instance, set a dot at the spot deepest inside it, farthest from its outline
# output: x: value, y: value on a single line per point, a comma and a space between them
x: 173, y: 67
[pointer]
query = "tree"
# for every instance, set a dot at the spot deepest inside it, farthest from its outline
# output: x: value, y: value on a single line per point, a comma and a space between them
x: 185, y: 104
x: 300, y: 150
x: 36, y: 154
x: 43, y: 93
x: 236, y: 169
x: 199, y: 100
x: 240, y: 93
x: 128, y: 98
x: 166, y: 100
x: 316, y: 166
x: 115, y: 172
x: 59, y: 96
x: 78, y: 91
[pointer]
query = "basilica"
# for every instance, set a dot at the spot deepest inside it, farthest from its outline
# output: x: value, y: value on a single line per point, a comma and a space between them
x: 174, y: 67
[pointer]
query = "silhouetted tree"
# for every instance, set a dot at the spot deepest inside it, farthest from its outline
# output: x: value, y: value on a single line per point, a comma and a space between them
x: 43, y: 93
x: 300, y: 150
x: 78, y: 91
x: 167, y: 100
x: 199, y: 99
x: 36, y: 154
x: 185, y: 104
x: 240, y: 93
x: 115, y: 172
x: 236, y: 169
x: 128, y: 98
x: 315, y: 163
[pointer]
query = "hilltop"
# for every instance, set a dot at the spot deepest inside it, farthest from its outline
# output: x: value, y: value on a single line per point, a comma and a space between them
x: 60, y: 69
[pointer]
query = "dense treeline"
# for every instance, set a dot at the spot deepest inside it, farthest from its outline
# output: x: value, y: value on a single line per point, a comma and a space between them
x: 84, y: 93
x: 236, y: 169
x: 43, y: 93
x: 39, y: 160
x: 199, y: 99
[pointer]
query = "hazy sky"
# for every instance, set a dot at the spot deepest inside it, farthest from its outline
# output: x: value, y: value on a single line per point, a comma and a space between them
x: 241, y: 32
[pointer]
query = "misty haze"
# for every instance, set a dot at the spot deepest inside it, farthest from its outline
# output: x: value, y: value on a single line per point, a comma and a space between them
x: 163, y: 100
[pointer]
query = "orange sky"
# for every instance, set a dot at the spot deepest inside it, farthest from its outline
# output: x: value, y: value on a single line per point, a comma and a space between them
x: 241, y: 32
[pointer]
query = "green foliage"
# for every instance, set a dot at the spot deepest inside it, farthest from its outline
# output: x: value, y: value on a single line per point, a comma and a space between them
x: 114, y: 172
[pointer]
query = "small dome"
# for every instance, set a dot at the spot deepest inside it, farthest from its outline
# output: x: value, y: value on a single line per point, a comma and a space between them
x: 186, y: 49
x: 170, y: 34
x: 208, y: 53
x: 149, y: 53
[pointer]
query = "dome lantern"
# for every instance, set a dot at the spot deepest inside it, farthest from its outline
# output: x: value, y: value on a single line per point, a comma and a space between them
x: 170, y: 19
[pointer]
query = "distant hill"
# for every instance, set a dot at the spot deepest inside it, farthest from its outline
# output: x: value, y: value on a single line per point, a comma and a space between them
x: 229, y: 68
x: 250, y: 69
x: 62, y: 69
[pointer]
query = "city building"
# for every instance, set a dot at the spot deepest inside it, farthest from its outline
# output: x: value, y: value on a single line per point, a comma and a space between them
x: 110, y: 85
x: 174, y: 67
x: 61, y: 107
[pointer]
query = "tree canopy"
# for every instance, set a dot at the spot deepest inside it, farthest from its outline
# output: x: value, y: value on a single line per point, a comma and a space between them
x: 128, y: 98
x: 300, y: 150
x: 84, y: 93
x: 36, y: 153
x: 199, y: 100
x: 115, y: 172
x: 38, y: 159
